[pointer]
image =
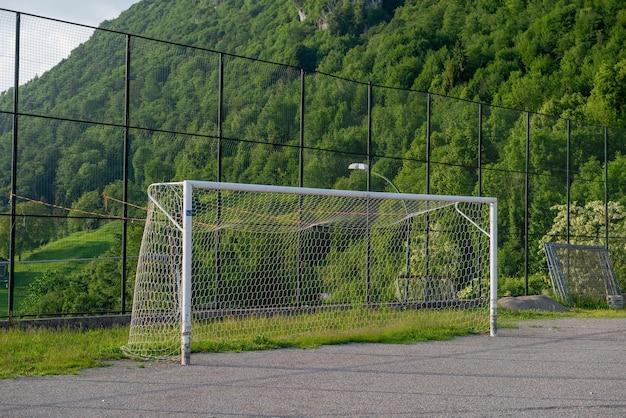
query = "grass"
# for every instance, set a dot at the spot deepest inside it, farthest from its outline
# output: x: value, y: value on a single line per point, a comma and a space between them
x: 39, y: 352
x: 408, y: 328
x: 505, y: 317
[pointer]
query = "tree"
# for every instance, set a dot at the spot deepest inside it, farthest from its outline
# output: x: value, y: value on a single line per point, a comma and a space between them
x: 33, y: 227
x: 607, y: 102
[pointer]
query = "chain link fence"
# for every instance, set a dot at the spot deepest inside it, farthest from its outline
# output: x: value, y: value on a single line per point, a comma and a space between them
x: 84, y: 130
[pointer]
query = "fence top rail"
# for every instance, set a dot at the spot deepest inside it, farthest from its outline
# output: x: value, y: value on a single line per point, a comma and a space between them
x: 260, y: 188
x: 576, y: 246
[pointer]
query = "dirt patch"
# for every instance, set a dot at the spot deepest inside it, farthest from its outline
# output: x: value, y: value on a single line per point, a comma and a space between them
x: 531, y: 303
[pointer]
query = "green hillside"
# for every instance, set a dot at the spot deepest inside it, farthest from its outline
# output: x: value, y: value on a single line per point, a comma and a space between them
x: 559, y: 58
x: 563, y: 59
x: 39, y: 272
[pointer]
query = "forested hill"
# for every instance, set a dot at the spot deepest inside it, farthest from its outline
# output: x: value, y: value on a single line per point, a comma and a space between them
x: 561, y: 58
x: 556, y: 57
x: 564, y: 58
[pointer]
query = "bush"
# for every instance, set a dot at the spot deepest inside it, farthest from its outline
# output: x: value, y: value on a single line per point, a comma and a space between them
x: 538, y: 284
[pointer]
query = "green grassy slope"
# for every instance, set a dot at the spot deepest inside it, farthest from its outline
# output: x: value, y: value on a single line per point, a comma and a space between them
x: 71, y: 253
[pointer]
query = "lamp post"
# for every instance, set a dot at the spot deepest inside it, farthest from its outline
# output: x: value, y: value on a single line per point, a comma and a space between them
x: 366, y: 168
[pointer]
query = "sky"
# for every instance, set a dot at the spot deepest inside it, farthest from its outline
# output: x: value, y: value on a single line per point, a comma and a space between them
x: 87, y: 12
x: 45, y: 43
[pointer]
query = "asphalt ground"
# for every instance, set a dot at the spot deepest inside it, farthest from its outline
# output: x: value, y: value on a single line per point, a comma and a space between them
x: 565, y: 368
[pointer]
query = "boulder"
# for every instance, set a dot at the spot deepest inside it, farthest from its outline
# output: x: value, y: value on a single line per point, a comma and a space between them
x: 531, y: 303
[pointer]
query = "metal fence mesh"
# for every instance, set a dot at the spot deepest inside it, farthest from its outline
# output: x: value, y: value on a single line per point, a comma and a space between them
x: 176, y: 112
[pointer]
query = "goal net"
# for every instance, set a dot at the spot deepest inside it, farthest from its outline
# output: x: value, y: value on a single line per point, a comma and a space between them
x: 582, y: 274
x: 222, y: 262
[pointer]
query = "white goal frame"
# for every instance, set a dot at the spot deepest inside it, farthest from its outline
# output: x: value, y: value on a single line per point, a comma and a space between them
x: 187, y: 224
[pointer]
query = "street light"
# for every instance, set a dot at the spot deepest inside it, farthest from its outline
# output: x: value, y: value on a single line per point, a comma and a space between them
x: 366, y: 168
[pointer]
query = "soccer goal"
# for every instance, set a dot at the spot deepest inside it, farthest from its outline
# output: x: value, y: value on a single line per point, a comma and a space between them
x: 233, y: 262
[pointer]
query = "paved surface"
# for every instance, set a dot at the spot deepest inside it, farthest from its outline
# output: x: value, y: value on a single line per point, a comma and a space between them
x: 566, y: 367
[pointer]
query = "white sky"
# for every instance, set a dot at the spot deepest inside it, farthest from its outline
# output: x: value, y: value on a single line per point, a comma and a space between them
x: 87, y: 12
x: 44, y: 43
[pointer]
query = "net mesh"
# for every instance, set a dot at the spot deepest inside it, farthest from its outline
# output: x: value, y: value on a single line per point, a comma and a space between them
x: 279, y: 265
x: 581, y: 273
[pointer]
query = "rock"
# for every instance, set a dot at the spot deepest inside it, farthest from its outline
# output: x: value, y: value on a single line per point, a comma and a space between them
x: 531, y: 303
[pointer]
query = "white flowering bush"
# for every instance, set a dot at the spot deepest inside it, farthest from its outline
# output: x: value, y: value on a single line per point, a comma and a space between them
x: 587, y: 227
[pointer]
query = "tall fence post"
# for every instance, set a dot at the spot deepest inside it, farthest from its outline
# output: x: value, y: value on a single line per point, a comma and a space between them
x: 526, y: 202
x: 218, y: 236
x: 369, y: 187
x: 125, y: 174
x: 301, y: 150
x: 220, y: 115
x: 428, y: 121
x: 300, y: 279
x: 13, y: 200
x: 480, y: 149
x: 567, y: 180
x: 606, y: 187
x: 369, y: 136
x: 428, y: 133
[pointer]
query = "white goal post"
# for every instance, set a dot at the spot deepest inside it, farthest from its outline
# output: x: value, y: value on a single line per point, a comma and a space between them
x: 244, y: 261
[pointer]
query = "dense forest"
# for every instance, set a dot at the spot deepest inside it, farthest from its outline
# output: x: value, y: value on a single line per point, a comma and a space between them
x: 562, y: 59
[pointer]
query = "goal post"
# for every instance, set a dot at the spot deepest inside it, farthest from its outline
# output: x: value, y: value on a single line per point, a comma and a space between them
x: 186, y: 290
x: 227, y: 262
